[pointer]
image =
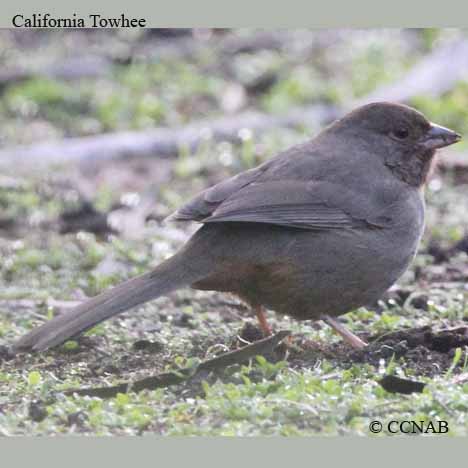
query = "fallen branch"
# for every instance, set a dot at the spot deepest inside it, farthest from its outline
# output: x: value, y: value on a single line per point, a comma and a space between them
x: 162, y: 142
x: 261, y: 347
x: 434, y: 75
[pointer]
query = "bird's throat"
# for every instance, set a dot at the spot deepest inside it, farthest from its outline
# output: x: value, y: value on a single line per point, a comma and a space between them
x: 415, y: 169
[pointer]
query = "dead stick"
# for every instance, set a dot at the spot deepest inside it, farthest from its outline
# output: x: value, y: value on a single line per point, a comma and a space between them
x: 435, y: 74
x: 158, y: 142
x: 167, y: 379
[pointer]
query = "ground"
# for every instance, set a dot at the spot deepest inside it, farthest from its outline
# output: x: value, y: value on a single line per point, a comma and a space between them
x: 68, y: 232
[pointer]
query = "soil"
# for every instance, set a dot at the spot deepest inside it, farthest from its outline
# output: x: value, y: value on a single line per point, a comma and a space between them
x: 424, y: 350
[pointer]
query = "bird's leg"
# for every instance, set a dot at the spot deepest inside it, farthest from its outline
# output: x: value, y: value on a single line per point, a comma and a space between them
x: 346, y: 334
x: 262, y: 320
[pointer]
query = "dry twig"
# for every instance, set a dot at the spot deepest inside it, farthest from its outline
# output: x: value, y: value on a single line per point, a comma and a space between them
x: 261, y: 347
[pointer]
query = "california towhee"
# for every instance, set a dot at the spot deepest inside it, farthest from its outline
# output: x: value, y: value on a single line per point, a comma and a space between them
x: 321, y: 229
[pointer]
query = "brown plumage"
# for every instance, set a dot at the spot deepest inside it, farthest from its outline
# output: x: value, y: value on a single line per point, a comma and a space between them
x: 319, y: 230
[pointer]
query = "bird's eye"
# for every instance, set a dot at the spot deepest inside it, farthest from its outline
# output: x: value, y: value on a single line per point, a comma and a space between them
x: 401, y: 133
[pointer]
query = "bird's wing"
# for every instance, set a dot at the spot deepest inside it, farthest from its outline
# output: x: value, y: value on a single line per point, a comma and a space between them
x: 205, y: 203
x: 284, y: 203
x: 315, y: 205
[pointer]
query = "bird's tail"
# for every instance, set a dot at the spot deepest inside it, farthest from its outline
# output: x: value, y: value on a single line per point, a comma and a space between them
x: 174, y: 273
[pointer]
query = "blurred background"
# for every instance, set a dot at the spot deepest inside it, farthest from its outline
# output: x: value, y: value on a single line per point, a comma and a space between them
x: 104, y: 133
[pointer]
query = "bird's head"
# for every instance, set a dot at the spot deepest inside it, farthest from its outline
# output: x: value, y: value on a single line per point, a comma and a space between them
x: 404, y: 139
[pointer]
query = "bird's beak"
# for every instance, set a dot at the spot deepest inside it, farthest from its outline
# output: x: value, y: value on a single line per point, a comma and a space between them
x: 438, y: 137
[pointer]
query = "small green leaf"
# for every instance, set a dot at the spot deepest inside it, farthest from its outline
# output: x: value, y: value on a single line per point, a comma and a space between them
x: 70, y: 345
x: 34, y: 378
x: 261, y: 360
x: 122, y: 399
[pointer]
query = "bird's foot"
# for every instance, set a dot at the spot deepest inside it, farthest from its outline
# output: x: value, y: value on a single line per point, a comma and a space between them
x: 262, y: 320
x: 346, y: 334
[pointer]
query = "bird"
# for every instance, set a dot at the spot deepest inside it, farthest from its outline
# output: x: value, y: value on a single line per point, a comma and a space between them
x: 322, y: 228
